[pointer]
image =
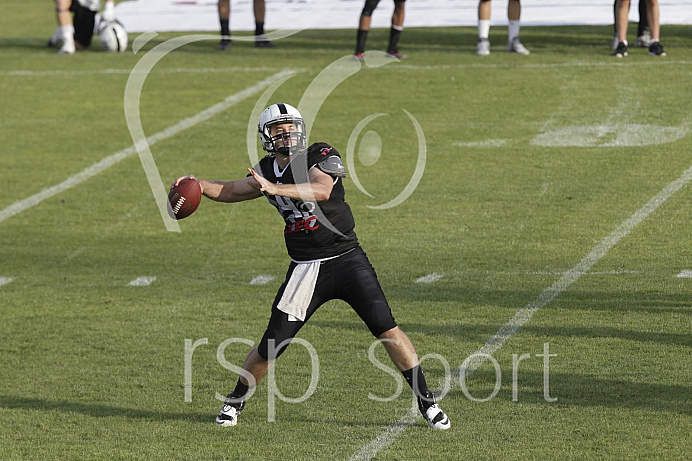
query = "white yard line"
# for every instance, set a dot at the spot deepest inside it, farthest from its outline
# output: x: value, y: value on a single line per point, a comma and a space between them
x: 686, y: 274
x: 261, y: 280
x: 5, y: 280
x: 430, y: 278
x: 390, y: 433
x: 166, y: 133
x: 142, y: 281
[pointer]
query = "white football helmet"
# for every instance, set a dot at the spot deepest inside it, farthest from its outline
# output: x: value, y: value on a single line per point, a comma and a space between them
x: 294, y: 141
x: 112, y: 36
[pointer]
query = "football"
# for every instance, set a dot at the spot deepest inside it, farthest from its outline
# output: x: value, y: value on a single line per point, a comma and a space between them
x: 184, y: 198
x: 112, y: 36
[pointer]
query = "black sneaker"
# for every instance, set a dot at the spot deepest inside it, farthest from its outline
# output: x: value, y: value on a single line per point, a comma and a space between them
x: 264, y: 44
x: 431, y: 411
x: 228, y: 416
x: 621, y: 50
x: 224, y: 44
x: 656, y: 49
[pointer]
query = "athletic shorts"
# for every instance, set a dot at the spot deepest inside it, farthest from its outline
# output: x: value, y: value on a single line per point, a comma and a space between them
x: 349, y: 277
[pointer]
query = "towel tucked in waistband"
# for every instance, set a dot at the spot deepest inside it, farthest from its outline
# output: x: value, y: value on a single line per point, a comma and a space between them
x: 299, y: 290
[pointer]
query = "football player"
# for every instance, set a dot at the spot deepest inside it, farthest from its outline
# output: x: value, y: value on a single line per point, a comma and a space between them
x: 258, y: 7
x: 514, y: 16
x: 394, y: 32
x: 305, y: 184
x: 622, y: 8
x: 75, y: 34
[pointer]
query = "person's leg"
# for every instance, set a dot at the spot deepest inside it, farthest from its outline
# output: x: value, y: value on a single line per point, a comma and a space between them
x: 64, y: 17
x: 259, y: 9
x: 364, y: 27
x: 514, y: 16
x: 359, y: 287
x: 652, y: 12
x: 84, y: 21
x: 396, y: 29
x: 483, y: 47
x: 623, y: 8
x: 655, y: 47
x: 224, y: 8
x: 403, y: 355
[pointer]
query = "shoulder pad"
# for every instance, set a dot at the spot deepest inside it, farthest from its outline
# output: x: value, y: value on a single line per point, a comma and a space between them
x: 333, y: 166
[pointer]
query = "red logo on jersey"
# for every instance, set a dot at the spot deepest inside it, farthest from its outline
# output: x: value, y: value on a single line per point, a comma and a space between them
x: 325, y: 150
x: 303, y: 224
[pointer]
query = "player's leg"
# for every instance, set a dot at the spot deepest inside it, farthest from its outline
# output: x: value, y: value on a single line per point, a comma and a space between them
x: 396, y: 29
x: 643, y: 31
x: 514, y: 17
x: 65, y: 31
x: 259, y: 10
x: 358, y: 286
x: 280, y: 330
x: 224, y: 8
x: 623, y: 7
x: 84, y: 21
x: 652, y: 11
x: 364, y: 27
x: 483, y: 46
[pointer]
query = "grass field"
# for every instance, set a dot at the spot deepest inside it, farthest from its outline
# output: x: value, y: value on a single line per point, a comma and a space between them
x: 553, y: 208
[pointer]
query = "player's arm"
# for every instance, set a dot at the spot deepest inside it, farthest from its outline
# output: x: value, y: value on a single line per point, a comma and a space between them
x: 227, y: 191
x: 317, y: 189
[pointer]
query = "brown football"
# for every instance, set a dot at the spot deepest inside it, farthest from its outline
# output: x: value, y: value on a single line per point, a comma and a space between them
x: 184, y: 198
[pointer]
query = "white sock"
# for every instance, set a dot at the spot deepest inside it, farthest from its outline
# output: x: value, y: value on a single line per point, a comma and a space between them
x: 513, y: 30
x: 67, y: 32
x: 483, y: 29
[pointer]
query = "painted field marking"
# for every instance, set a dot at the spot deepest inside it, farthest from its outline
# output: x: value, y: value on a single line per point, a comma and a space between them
x: 5, y: 280
x: 390, y: 433
x: 166, y: 133
x: 142, y: 281
x: 430, y: 278
x: 178, y: 70
x: 686, y: 274
x: 261, y: 280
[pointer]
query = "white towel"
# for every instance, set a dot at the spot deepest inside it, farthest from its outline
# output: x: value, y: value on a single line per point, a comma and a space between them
x: 299, y: 290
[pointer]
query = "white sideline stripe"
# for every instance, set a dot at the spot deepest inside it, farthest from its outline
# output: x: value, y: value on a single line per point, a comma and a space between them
x: 166, y: 133
x: 5, y: 280
x: 430, y: 278
x: 604, y: 65
x: 391, y: 432
x: 142, y: 281
x: 686, y: 274
x: 261, y: 280
x: 178, y: 70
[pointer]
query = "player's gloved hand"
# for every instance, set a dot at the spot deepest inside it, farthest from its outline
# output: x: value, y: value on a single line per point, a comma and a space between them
x: 108, y: 13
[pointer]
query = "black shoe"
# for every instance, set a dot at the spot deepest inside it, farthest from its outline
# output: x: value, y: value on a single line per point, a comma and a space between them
x: 224, y: 44
x: 431, y: 411
x: 656, y: 49
x: 264, y: 44
x: 621, y: 50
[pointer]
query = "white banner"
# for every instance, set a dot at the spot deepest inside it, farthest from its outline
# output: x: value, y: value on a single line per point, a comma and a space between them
x: 202, y: 15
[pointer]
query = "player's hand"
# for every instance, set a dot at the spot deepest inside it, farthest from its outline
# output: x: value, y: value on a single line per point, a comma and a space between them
x: 189, y: 176
x: 262, y: 184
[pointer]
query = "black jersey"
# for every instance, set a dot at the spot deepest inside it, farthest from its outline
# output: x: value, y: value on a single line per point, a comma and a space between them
x: 314, y: 230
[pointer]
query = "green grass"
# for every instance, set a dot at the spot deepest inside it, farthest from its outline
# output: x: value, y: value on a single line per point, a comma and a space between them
x: 93, y: 368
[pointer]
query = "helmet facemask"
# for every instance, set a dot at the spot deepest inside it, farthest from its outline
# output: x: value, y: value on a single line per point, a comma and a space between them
x: 288, y: 142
